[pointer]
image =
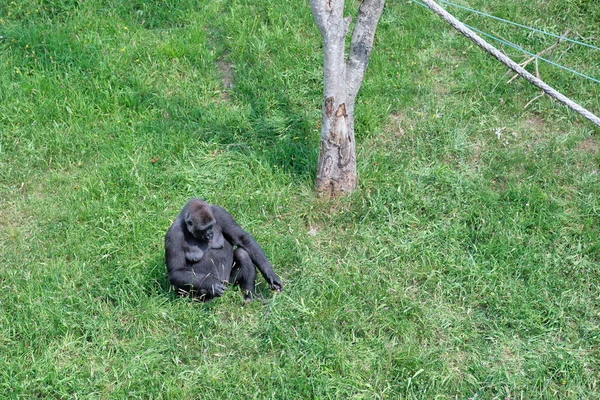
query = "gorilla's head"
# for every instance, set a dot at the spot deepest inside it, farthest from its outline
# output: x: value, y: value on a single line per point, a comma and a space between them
x: 199, y: 220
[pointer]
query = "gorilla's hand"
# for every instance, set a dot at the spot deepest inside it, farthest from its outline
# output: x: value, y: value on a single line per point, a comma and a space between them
x: 218, y: 288
x: 275, y: 283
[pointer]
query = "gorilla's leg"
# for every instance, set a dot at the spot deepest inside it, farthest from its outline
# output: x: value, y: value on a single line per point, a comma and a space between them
x: 243, y: 273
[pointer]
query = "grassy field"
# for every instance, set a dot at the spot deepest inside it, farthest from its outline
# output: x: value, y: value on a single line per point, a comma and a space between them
x: 464, y: 266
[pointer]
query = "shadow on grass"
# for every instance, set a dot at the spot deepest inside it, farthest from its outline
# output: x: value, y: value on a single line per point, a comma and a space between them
x: 157, y: 277
x: 254, y: 113
x: 278, y: 136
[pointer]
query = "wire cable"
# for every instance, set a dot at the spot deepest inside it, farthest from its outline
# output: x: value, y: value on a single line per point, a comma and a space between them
x: 514, y: 46
x: 500, y: 56
x: 520, y: 25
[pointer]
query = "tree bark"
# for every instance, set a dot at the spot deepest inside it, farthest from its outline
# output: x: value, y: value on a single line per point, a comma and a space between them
x: 336, y: 170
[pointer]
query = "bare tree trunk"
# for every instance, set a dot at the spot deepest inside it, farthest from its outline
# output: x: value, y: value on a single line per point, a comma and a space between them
x: 336, y: 171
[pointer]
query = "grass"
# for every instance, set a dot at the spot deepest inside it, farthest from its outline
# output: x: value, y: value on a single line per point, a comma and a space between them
x: 464, y: 266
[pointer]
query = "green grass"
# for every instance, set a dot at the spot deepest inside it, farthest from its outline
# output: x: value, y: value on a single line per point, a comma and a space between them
x: 464, y: 266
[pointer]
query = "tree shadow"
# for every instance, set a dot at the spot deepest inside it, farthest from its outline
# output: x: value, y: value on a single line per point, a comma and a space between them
x: 281, y: 136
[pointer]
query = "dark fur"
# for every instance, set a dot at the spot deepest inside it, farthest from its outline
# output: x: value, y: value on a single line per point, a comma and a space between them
x: 201, y: 264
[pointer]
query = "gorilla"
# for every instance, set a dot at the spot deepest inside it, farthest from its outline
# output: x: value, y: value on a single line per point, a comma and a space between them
x: 200, y: 255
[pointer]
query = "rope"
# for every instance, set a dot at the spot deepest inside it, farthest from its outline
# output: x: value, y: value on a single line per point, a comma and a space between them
x: 520, y: 25
x: 459, y: 26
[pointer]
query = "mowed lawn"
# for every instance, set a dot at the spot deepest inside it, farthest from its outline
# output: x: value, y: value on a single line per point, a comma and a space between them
x: 464, y: 266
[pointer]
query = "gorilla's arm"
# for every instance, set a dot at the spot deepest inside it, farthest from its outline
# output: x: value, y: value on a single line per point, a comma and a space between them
x: 196, y: 283
x: 239, y: 237
x: 180, y: 275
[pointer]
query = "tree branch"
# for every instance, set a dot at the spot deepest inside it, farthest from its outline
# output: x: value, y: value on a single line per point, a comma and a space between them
x: 326, y: 13
x: 320, y: 12
x: 362, y: 43
x: 534, y: 58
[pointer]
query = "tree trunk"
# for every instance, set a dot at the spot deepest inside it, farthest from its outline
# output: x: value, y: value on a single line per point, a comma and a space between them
x: 336, y: 171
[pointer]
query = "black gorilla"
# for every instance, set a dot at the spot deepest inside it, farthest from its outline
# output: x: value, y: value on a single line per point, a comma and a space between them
x: 201, y: 259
